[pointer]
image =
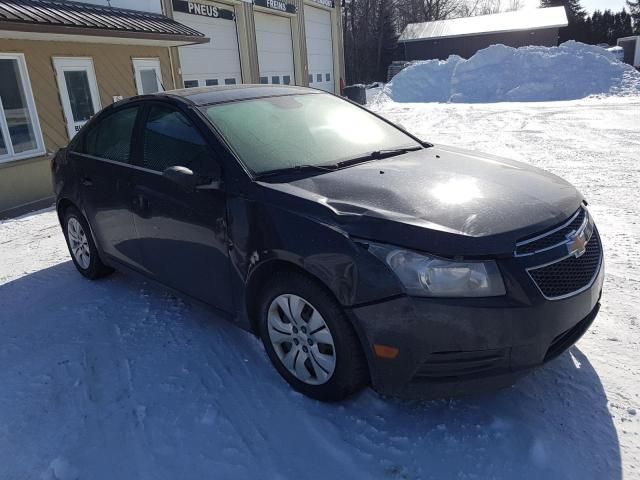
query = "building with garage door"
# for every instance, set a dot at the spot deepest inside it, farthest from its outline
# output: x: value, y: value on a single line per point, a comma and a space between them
x: 465, y: 36
x: 291, y: 42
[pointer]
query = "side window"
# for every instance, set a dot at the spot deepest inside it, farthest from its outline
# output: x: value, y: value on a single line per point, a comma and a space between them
x: 169, y: 139
x: 110, y: 138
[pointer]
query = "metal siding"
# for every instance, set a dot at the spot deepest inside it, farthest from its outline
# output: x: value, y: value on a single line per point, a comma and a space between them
x: 75, y: 14
x: 525, y: 19
x: 468, y: 45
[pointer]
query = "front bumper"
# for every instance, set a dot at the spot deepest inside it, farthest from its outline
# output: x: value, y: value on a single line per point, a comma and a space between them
x: 461, y: 346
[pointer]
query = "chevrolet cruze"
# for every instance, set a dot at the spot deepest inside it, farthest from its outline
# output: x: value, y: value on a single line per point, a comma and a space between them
x: 360, y: 254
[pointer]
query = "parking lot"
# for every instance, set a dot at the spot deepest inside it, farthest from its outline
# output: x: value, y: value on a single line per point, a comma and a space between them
x: 119, y: 379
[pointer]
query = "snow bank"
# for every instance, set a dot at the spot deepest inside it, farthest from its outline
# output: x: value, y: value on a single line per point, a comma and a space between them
x: 527, y: 74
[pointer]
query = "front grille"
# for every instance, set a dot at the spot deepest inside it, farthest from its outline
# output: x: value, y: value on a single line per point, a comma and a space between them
x: 570, y: 275
x: 555, y: 236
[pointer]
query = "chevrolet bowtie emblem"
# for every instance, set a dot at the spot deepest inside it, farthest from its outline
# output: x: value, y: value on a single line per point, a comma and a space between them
x: 577, y: 244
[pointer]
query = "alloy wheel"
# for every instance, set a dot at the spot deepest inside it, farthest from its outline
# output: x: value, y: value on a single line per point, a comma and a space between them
x: 301, y: 339
x: 78, y: 243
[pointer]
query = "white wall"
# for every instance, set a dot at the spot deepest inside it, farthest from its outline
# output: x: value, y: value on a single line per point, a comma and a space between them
x: 144, y: 5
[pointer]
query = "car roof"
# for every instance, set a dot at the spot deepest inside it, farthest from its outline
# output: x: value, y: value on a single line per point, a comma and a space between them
x: 229, y: 93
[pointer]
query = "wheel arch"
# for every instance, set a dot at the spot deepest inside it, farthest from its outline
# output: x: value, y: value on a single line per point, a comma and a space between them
x: 258, y: 279
x: 62, y: 205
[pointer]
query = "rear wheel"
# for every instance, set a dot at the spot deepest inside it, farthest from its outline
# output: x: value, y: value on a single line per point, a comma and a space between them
x: 81, y: 246
x: 309, y: 339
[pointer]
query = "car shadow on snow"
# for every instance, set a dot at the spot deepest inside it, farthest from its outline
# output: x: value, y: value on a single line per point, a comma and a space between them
x: 236, y: 413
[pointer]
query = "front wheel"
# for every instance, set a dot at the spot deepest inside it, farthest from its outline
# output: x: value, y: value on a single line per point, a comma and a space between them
x: 81, y: 246
x: 309, y: 339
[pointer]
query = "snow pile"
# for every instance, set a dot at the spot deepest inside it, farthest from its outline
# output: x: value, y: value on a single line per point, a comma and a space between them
x: 502, y: 74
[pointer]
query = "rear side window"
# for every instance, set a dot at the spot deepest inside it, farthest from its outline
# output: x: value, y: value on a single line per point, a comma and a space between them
x: 171, y: 140
x: 110, y: 138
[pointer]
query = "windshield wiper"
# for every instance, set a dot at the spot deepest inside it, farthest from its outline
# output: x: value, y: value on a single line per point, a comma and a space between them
x: 377, y: 155
x: 295, y: 169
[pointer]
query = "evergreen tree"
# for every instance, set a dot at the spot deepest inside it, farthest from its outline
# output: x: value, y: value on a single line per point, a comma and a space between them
x: 577, y: 28
x: 634, y: 12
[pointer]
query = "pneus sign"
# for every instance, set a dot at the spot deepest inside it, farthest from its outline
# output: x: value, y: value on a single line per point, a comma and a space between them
x: 280, y: 5
x: 202, y: 9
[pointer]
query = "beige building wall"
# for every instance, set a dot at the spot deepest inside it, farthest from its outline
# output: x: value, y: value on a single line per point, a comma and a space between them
x: 27, y: 181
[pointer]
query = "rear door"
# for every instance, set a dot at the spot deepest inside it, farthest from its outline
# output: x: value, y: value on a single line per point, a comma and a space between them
x: 182, y: 232
x: 102, y: 160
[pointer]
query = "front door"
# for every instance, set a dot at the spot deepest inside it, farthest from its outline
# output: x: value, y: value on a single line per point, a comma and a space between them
x: 78, y: 91
x: 102, y: 159
x: 182, y: 232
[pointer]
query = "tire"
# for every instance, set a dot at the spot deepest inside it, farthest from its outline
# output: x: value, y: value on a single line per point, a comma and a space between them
x: 79, y: 239
x: 313, y: 351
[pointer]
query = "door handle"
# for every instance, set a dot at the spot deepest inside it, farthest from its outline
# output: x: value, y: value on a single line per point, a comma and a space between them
x: 86, y: 181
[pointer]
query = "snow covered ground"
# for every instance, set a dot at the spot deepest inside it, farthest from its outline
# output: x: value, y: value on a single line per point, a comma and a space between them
x: 117, y: 379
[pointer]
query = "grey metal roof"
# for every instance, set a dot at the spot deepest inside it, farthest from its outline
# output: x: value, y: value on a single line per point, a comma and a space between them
x: 68, y: 17
x: 525, y: 19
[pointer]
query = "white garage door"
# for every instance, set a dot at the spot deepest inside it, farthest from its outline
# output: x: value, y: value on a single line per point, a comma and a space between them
x: 275, y: 48
x: 216, y: 62
x: 317, y: 24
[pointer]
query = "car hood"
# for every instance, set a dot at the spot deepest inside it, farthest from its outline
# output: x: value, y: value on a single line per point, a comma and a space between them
x: 443, y: 200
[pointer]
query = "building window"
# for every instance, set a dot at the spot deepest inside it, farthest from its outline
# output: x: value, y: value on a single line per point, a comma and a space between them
x: 78, y: 91
x: 310, y: 78
x: 229, y: 81
x: 211, y: 82
x: 148, y: 75
x: 327, y: 77
x: 275, y: 80
x: 190, y: 83
x: 264, y: 80
x: 286, y: 79
x: 319, y: 77
x: 20, y: 135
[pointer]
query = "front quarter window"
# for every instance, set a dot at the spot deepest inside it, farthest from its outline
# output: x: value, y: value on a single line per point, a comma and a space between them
x: 311, y: 129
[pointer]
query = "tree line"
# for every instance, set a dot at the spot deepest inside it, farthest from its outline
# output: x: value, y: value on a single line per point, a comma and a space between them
x: 372, y: 27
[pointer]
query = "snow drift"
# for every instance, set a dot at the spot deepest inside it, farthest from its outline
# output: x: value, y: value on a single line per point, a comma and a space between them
x: 501, y: 74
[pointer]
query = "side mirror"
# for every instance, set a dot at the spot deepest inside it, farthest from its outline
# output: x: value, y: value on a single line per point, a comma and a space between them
x: 185, y: 177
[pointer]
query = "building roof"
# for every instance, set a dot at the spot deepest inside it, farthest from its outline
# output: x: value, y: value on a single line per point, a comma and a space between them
x: 75, y: 18
x: 526, y: 19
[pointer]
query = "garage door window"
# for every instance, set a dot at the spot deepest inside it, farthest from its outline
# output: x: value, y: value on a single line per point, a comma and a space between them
x: 20, y: 135
x: 78, y: 91
x: 190, y: 83
x: 212, y: 82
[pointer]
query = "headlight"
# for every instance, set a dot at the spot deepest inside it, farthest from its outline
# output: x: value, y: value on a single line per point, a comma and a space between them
x: 427, y: 276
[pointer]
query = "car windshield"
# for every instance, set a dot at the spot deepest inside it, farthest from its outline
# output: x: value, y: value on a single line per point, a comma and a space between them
x: 279, y: 133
